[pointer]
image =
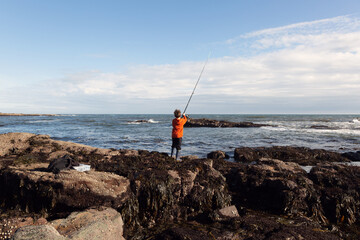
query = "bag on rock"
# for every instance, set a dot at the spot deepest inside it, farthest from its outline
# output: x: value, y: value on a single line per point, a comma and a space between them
x: 65, y: 162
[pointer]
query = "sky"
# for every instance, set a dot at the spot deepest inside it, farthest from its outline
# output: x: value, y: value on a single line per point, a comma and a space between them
x: 140, y: 56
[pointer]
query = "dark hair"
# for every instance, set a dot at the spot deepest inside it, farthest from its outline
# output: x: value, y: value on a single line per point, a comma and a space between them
x: 177, y: 113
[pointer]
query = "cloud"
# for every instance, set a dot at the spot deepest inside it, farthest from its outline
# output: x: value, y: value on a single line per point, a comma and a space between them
x: 303, y: 67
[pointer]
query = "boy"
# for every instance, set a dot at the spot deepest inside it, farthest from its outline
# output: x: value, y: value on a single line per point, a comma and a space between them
x: 177, y: 132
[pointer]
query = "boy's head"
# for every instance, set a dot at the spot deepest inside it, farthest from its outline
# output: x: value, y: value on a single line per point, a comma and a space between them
x: 177, y: 113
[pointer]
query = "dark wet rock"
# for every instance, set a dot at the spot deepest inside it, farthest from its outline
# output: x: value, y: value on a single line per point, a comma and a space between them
x: 339, y: 188
x: 328, y: 196
x: 301, y: 155
x: 322, y: 127
x: 218, y: 155
x: 224, y: 124
x: 352, y: 156
x: 255, y: 225
x: 274, y: 186
x: 165, y: 190
x: 140, y: 121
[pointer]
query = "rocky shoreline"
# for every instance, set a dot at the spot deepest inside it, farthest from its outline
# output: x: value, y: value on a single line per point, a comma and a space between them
x: 137, y: 194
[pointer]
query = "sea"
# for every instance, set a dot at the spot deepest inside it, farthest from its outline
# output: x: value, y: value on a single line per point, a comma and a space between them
x: 339, y: 133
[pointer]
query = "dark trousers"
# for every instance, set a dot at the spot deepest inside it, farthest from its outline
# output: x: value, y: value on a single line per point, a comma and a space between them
x: 176, y: 143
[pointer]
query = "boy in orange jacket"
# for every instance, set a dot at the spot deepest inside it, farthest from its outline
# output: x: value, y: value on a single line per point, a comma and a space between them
x: 177, y: 132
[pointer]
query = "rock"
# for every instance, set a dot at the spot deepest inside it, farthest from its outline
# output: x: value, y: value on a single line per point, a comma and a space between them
x: 301, y: 155
x: 91, y: 224
x: 37, y: 232
x: 189, y: 157
x: 34, y: 189
x: 224, y: 214
x: 160, y: 198
x: 230, y: 212
x: 218, y: 155
x: 339, y: 187
x: 165, y: 190
x: 255, y: 226
x: 323, y: 127
x: 352, y: 156
x: 274, y: 186
x: 215, y: 123
x: 27, y: 148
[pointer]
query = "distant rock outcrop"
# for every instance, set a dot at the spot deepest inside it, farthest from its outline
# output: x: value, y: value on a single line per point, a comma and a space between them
x: 204, y: 122
x: 23, y: 114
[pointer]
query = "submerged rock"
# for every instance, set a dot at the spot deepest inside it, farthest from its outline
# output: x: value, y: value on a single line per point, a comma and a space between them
x: 204, y: 122
x: 218, y: 155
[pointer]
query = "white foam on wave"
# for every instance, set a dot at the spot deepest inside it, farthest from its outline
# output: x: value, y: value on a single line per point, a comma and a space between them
x: 152, y: 121
x: 280, y: 128
x: 43, y: 121
x: 143, y: 121
x: 356, y: 122
x: 135, y: 123
x: 346, y: 131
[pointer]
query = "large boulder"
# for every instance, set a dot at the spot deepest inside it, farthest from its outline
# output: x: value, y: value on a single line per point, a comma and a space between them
x: 90, y: 224
x: 32, y: 189
x: 274, y: 186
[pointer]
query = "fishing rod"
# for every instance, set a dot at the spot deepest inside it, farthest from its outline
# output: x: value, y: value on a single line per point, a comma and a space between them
x: 197, y: 82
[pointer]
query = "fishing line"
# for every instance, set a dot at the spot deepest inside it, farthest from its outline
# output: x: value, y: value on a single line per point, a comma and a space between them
x: 197, y: 82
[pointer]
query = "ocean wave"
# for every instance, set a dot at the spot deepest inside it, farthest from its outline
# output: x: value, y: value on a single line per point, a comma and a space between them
x: 340, y: 131
x: 280, y: 128
x: 43, y: 121
x: 153, y: 121
x: 356, y: 121
x: 142, y: 121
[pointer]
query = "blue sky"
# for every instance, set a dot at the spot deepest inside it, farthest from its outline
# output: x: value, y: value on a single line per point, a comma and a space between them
x: 145, y: 56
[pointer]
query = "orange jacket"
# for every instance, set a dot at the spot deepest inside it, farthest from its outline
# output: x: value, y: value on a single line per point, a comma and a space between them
x: 178, y: 127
